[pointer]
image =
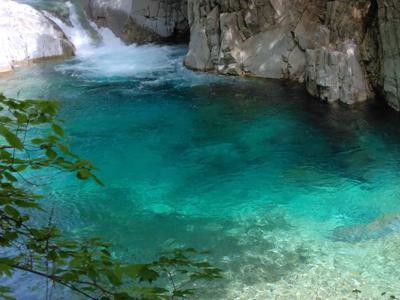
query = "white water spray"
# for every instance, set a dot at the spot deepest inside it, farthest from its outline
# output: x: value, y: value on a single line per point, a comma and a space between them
x: 110, y: 57
x: 103, y: 56
x: 78, y: 35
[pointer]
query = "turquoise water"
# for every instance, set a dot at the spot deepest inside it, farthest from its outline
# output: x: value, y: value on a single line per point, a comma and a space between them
x: 254, y: 170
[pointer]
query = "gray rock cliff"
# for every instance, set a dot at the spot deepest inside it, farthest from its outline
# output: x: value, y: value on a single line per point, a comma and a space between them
x: 320, y: 42
x: 343, y: 50
x: 141, y: 21
x: 389, y: 29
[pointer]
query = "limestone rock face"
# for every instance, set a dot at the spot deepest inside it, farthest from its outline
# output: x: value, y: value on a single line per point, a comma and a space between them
x: 336, y: 75
x: 26, y: 34
x: 264, y: 38
x: 389, y: 28
x: 140, y: 21
x: 326, y: 43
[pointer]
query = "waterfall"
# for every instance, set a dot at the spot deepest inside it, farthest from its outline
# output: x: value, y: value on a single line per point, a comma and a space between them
x: 100, y: 54
x: 84, y: 42
x: 78, y: 35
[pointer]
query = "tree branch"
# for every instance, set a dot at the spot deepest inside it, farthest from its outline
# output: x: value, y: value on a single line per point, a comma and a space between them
x: 54, y: 279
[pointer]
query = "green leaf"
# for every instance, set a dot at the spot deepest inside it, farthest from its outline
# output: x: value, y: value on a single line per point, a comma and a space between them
x: 10, y: 177
x: 50, y: 153
x: 113, y: 278
x: 20, y: 168
x: 70, y: 276
x: 5, y: 269
x: 12, y: 211
x: 11, y: 138
x: 83, y: 174
x: 21, y: 118
x: 57, y: 129
x: 183, y: 293
x: 5, y: 289
x: 37, y: 141
x: 147, y: 274
x: 65, y: 150
x: 131, y: 271
x: 26, y: 204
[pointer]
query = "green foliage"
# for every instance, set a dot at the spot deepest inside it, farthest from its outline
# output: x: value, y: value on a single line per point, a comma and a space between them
x: 31, y: 139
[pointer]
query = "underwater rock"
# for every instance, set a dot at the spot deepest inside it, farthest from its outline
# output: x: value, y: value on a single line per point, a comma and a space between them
x: 26, y: 34
x: 375, y: 230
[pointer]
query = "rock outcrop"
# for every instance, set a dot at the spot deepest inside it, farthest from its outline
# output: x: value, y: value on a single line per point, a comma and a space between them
x: 335, y: 75
x: 26, y: 34
x: 141, y: 21
x: 389, y: 32
x: 262, y: 38
x: 343, y: 50
x: 325, y: 43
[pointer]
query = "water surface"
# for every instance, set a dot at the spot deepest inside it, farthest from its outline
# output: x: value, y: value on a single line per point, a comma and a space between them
x: 267, y: 178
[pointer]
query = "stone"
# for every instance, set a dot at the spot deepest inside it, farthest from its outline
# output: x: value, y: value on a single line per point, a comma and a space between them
x: 199, y: 56
x: 141, y: 21
x: 379, y: 228
x: 276, y: 39
x: 389, y: 29
x: 26, y: 35
x: 335, y: 75
x: 260, y: 38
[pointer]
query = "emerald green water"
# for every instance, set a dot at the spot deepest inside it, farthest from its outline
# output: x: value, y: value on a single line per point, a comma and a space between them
x: 254, y: 170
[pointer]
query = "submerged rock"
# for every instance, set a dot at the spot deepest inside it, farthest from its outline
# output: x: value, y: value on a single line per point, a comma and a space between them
x: 377, y: 229
x: 27, y: 34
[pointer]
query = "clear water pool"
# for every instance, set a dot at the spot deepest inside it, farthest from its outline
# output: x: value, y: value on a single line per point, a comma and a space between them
x: 279, y: 186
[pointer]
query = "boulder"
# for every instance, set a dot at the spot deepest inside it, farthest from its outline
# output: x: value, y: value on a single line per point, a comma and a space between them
x: 335, y: 75
x: 332, y: 45
x: 261, y: 38
x: 389, y: 29
x: 141, y: 21
x: 27, y: 34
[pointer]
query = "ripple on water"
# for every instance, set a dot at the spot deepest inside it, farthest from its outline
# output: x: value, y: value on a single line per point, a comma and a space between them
x: 253, y: 170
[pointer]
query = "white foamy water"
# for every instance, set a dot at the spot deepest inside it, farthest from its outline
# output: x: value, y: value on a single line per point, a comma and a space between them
x: 75, y: 33
x: 109, y: 56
